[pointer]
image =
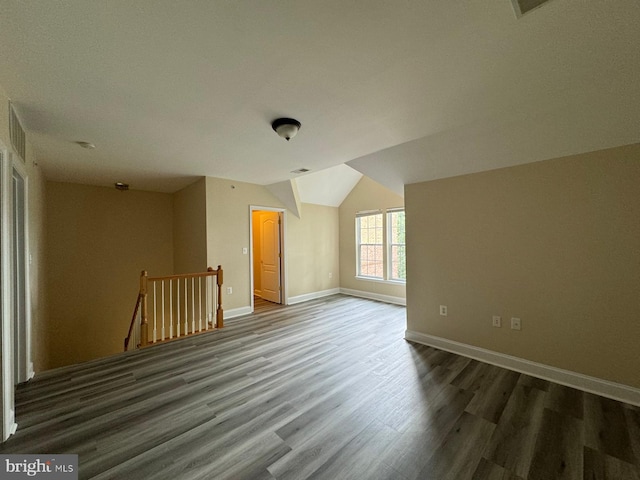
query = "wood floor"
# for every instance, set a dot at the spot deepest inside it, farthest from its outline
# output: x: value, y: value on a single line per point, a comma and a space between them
x: 260, y: 305
x: 328, y: 389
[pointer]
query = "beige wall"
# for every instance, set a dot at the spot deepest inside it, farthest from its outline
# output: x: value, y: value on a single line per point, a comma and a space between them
x: 190, y: 228
x: 556, y: 243
x: 37, y: 281
x: 366, y: 195
x: 313, y: 250
x: 310, y: 242
x: 99, y: 239
x: 228, y: 211
x: 36, y: 233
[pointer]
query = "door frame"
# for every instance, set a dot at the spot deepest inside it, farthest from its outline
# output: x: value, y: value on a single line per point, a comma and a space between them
x: 26, y: 371
x: 7, y: 396
x: 283, y: 251
x: 9, y: 162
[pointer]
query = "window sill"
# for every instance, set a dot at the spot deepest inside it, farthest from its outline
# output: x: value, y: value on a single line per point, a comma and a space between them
x: 381, y: 280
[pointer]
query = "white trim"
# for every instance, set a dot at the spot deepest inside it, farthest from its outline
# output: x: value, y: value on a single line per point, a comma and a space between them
x: 25, y: 340
x: 30, y: 371
x: 305, y: 297
x: 6, y: 337
x: 13, y: 426
x: 375, y: 296
x: 605, y: 388
x: 237, y: 312
x: 380, y: 280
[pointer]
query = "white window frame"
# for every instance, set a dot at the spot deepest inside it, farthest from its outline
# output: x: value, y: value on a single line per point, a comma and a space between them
x: 386, y: 246
x: 359, y: 244
x: 390, y: 245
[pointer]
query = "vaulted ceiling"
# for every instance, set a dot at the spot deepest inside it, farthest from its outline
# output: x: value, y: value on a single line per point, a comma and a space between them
x: 401, y: 90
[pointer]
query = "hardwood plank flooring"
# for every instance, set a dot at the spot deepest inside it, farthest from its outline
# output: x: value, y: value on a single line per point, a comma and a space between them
x: 559, y: 448
x: 512, y: 445
x: 326, y: 389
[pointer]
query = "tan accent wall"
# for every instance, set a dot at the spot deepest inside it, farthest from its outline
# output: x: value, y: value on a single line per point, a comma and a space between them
x: 99, y: 239
x: 366, y: 195
x: 190, y: 228
x: 313, y: 250
x: 555, y: 243
x: 36, y: 232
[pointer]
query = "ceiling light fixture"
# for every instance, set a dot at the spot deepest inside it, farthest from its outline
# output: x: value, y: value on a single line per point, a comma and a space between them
x: 88, y: 145
x: 121, y: 186
x: 287, y: 128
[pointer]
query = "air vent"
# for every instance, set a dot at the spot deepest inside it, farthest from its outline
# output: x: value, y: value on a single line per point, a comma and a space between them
x: 17, y: 134
x: 525, y: 6
x: 87, y: 145
x: 300, y: 170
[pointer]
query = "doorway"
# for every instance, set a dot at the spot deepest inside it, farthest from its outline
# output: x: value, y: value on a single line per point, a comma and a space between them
x: 267, y: 253
x: 16, y: 366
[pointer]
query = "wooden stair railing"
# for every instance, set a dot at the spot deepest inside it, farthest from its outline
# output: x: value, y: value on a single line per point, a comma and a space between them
x: 133, y: 321
x: 173, y: 306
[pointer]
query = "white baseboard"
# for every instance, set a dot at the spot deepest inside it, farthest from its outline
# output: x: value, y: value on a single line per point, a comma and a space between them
x: 236, y: 312
x: 312, y: 296
x: 374, y: 296
x: 605, y: 388
x: 12, y: 426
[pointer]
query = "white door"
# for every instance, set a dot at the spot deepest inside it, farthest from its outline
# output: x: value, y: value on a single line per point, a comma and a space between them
x: 270, y: 256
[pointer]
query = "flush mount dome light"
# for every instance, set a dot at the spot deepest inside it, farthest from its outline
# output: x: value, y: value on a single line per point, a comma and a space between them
x: 287, y: 128
x: 87, y: 145
x: 123, y: 187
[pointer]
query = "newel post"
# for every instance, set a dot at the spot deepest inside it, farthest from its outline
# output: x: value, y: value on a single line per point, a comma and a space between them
x: 144, y: 326
x: 219, y: 312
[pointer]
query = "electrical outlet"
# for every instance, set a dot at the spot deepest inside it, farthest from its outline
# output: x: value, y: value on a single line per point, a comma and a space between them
x: 515, y: 323
x: 229, y: 290
x: 497, y: 321
x: 330, y: 274
x: 245, y: 250
x: 443, y: 310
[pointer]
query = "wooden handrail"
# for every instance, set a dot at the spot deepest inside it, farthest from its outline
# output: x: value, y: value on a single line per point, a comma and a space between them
x: 133, y: 320
x: 209, y: 273
x: 144, y: 325
x: 219, y: 313
x: 189, y: 319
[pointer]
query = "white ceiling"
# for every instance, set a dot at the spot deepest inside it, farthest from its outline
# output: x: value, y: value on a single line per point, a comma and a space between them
x: 403, y: 90
x: 329, y: 186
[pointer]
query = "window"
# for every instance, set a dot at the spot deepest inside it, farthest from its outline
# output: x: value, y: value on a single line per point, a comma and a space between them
x: 380, y: 244
x: 369, y: 237
x: 397, y: 248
